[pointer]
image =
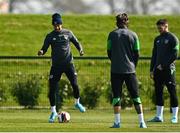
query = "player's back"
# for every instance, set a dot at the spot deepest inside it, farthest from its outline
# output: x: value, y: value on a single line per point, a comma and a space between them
x: 123, y: 41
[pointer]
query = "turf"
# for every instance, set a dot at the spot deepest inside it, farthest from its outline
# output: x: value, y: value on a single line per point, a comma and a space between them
x: 98, y: 120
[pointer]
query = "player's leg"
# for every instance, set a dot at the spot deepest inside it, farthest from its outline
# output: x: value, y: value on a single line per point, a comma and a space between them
x: 72, y: 76
x: 116, y: 83
x: 54, y: 78
x: 171, y: 86
x: 132, y: 86
x: 158, y: 84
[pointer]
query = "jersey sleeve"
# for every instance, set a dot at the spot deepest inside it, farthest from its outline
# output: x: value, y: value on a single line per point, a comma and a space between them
x: 75, y: 41
x: 46, y: 44
x: 136, y: 43
x: 109, y: 46
x: 174, y: 52
x: 176, y: 42
x: 136, y: 49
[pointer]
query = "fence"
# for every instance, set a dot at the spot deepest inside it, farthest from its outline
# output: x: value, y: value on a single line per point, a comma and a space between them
x: 90, y: 70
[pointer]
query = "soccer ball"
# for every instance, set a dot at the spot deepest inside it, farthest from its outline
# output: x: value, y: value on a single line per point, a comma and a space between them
x: 63, y: 117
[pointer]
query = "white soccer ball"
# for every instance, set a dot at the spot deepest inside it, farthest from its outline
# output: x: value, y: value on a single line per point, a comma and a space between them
x: 63, y: 117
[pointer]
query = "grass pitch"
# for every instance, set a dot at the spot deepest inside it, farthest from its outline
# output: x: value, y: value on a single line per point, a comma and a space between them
x: 98, y: 120
x: 23, y: 35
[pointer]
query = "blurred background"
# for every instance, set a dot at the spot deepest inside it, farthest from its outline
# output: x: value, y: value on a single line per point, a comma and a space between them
x: 140, y: 7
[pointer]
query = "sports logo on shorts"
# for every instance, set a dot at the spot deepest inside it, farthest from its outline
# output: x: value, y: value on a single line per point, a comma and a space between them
x: 54, y: 39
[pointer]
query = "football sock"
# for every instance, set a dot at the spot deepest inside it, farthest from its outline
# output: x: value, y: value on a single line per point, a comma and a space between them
x: 159, y: 111
x: 117, y: 118
x: 141, y: 117
x: 77, y: 100
x: 53, y: 109
x: 175, y: 111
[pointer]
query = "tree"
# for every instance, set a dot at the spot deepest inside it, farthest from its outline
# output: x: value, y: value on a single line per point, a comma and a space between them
x: 132, y: 6
x: 176, y: 10
x: 146, y: 4
x: 11, y: 5
x: 74, y: 6
x: 112, y: 6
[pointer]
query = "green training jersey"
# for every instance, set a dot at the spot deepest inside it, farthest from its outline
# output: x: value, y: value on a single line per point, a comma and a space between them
x: 123, y: 45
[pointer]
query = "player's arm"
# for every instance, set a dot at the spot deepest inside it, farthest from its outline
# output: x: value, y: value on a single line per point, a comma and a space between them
x: 136, y: 50
x: 45, y: 46
x: 76, y: 43
x: 109, y: 46
x: 174, y: 53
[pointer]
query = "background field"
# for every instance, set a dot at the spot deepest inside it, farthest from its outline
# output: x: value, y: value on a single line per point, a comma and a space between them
x: 24, y: 34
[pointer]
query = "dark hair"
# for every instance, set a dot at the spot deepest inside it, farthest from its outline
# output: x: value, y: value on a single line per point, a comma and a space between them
x: 162, y: 22
x: 122, y: 19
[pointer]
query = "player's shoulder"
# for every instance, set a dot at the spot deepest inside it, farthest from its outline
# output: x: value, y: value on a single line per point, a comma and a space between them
x: 172, y: 35
x: 132, y: 33
x: 49, y: 34
x: 64, y: 30
x: 125, y: 31
x: 158, y: 37
x: 113, y: 31
x: 116, y: 31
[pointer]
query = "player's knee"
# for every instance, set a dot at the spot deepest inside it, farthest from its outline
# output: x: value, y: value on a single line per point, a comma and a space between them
x: 116, y: 101
x: 171, y: 86
x: 137, y: 101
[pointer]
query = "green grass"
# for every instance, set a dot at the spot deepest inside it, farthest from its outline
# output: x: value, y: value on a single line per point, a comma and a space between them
x: 98, y: 120
x: 24, y: 34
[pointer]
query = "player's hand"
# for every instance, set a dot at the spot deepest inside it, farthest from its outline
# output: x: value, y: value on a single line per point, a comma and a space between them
x: 81, y: 53
x: 159, y: 67
x: 151, y: 75
x: 40, y: 53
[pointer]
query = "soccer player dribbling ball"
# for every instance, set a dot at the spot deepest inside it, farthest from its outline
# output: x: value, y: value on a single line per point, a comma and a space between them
x: 59, y: 40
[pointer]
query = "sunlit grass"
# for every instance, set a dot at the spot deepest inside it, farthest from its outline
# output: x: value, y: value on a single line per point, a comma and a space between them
x: 98, y: 120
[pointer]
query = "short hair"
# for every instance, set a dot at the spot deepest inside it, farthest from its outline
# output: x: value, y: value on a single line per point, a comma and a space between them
x: 122, y: 19
x: 162, y: 22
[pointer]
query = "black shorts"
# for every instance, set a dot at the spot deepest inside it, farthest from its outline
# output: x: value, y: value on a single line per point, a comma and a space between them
x: 68, y: 69
x: 117, y: 81
x: 55, y: 76
x: 164, y: 77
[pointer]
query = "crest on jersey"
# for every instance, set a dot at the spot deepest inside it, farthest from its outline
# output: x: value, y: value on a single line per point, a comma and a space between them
x: 54, y: 39
x: 166, y: 41
x: 66, y: 37
x: 158, y: 41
